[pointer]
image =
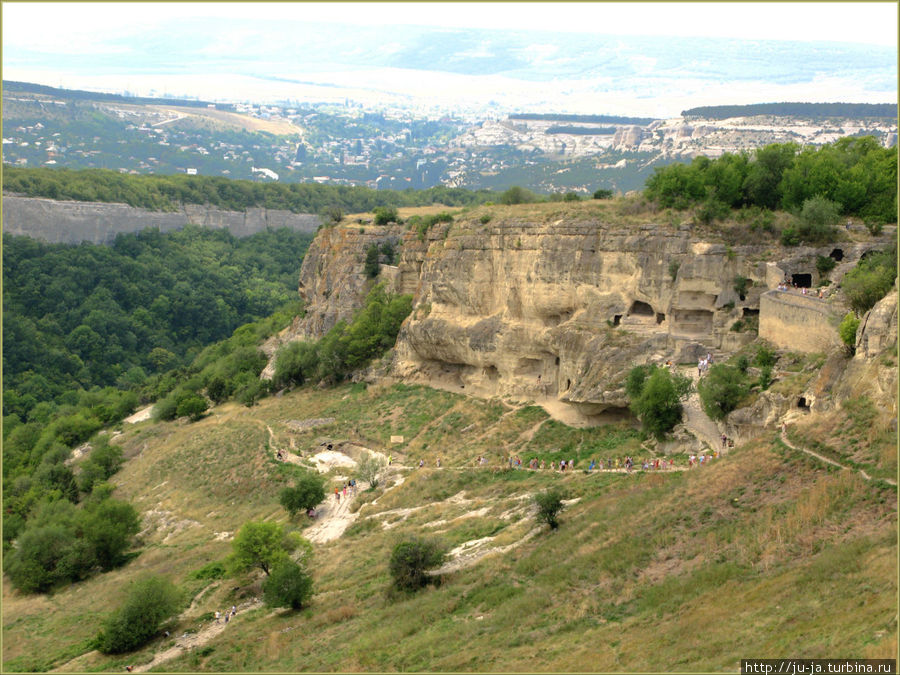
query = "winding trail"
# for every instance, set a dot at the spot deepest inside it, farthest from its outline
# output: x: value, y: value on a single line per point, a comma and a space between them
x: 867, y: 477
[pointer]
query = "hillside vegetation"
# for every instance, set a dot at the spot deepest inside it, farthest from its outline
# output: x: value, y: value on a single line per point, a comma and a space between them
x: 805, y: 553
x: 168, y: 192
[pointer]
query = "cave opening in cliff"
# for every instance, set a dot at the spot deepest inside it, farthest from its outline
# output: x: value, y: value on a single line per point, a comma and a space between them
x: 837, y: 254
x: 616, y: 319
x: 660, y: 317
x: 801, y: 403
x: 750, y: 312
x: 557, y: 360
x: 802, y: 280
x: 639, y: 308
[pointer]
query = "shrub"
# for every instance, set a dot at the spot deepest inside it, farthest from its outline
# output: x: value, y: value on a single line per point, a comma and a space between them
x: 721, y: 390
x: 295, y: 362
x: 485, y: 219
x: 517, y: 195
x: 818, y: 218
x: 871, y: 279
x: 765, y: 377
x: 308, y: 491
x: 150, y: 601
x: 765, y: 356
x: 385, y: 215
x: 369, y: 469
x: 741, y: 284
x: 288, y: 585
x: 410, y: 561
x: 259, y: 544
x: 824, y: 264
x: 603, y: 194
x: 571, y: 197
x: 655, y: 395
x: 847, y: 331
x: 333, y: 214
x: 674, y: 265
x: 213, y: 570
x: 372, y: 266
x: 549, y: 504
x: 192, y: 406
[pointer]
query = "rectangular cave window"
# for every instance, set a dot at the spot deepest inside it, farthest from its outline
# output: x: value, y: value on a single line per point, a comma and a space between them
x: 616, y: 319
x: 660, y: 317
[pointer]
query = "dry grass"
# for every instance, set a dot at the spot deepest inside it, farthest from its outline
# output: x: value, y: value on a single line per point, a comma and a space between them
x: 806, y: 558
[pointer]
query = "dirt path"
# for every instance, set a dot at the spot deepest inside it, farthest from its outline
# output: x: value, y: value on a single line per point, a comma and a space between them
x: 822, y: 458
x: 188, y: 641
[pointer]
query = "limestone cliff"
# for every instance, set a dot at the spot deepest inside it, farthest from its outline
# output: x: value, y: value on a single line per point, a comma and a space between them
x: 537, y: 306
x: 71, y: 222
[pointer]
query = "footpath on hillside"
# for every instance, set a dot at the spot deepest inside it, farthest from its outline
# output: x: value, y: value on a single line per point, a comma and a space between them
x: 821, y: 458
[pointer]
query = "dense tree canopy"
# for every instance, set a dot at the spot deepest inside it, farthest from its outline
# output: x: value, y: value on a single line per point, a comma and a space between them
x: 855, y: 173
x: 167, y: 192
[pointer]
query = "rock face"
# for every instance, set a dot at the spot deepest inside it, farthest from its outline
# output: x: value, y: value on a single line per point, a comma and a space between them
x: 72, y: 222
x: 878, y: 328
x: 549, y: 309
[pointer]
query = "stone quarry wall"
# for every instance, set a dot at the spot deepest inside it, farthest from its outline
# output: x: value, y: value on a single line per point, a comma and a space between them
x: 798, y: 323
x: 72, y: 222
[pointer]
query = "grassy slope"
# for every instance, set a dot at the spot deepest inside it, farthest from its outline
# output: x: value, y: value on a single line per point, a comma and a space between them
x: 763, y: 553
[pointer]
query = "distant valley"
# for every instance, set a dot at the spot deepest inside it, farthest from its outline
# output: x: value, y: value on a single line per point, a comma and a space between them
x: 345, y: 144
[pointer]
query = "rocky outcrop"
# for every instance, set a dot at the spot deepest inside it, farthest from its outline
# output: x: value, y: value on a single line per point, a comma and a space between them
x: 548, y: 309
x: 72, y: 222
x: 878, y: 328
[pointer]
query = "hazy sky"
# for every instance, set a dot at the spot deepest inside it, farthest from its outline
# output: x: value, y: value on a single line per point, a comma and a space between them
x: 283, y: 51
x: 52, y: 25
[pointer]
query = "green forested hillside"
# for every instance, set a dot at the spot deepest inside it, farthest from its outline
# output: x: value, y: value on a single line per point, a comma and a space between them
x: 90, y: 315
x: 159, y: 192
x: 90, y: 331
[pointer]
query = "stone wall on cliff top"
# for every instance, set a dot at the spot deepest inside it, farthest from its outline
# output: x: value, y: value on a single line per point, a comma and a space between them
x: 72, y: 222
x: 558, y: 310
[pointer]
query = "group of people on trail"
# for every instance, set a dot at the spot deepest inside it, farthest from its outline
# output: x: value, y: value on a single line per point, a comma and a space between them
x: 226, y: 615
x: 349, y: 487
x: 610, y: 464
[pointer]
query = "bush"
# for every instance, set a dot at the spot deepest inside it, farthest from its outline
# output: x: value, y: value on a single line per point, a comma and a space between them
x: 517, y: 195
x: 411, y: 559
x: 741, y: 284
x: 721, y: 390
x: 549, y: 504
x: 674, y: 266
x: 150, y: 601
x: 871, y: 279
x: 372, y: 266
x: 307, y: 493
x: 765, y: 377
x: 259, y: 544
x: 818, y: 218
x: 655, y: 395
x: 847, y: 331
x: 603, y: 194
x: 385, y: 215
x: 765, y: 356
x: 288, y: 585
x: 824, y: 264
x: 192, y: 406
x: 369, y: 469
